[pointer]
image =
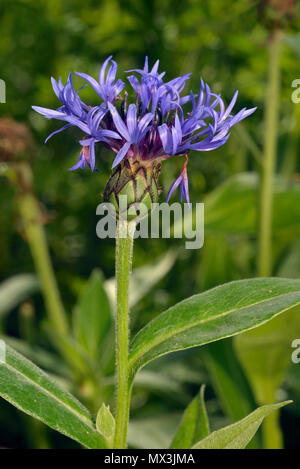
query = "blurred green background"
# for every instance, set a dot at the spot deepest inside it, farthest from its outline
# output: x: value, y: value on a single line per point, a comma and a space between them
x: 227, y: 45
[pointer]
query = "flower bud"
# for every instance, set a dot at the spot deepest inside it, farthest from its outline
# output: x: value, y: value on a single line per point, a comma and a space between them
x: 133, y: 188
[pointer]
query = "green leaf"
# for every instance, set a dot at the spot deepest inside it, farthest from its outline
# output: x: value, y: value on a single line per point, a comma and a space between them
x: 15, y: 290
x: 194, y: 425
x: 239, y: 434
x: 106, y: 424
x: 143, y: 279
x: 92, y: 315
x: 221, y: 312
x: 41, y: 357
x: 29, y: 389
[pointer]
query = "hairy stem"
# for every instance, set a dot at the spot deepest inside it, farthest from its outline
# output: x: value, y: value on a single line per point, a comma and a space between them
x: 124, y: 248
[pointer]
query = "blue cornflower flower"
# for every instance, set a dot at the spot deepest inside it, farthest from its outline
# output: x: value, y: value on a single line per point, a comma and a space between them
x: 153, y: 128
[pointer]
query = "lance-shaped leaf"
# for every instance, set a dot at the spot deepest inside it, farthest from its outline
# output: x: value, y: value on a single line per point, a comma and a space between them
x: 194, y: 425
x: 239, y: 434
x: 221, y: 312
x: 38, y: 355
x: 29, y: 389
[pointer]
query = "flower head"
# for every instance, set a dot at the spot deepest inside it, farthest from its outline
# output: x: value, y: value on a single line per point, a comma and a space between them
x: 153, y: 128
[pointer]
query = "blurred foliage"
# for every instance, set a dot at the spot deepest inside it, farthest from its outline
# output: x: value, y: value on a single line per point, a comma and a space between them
x: 226, y: 45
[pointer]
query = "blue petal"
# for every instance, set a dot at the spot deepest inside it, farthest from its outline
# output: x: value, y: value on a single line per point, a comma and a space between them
x: 174, y: 187
x: 57, y: 131
x: 77, y: 122
x: 121, y: 127
x: 111, y: 74
x: 118, y: 87
x: 155, y: 67
x: 55, y: 87
x: 131, y: 119
x: 230, y: 107
x: 142, y: 126
x: 134, y: 83
x: 122, y: 153
x: 92, y: 82
x: 109, y: 134
x: 92, y: 155
x: 79, y: 165
x: 185, y: 189
x: 49, y: 113
x: 166, y: 138
x: 102, y: 70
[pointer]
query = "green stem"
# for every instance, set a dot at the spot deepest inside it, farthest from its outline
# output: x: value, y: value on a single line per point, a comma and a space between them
x: 124, y: 248
x: 271, y: 430
x: 269, y: 159
x: 35, y: 234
